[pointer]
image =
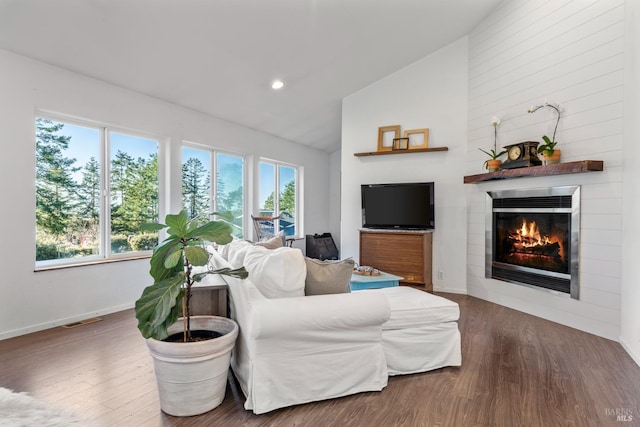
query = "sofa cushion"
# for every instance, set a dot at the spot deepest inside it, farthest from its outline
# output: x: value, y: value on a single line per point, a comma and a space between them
x: 414, y: 308
x: 277, y: 273
x: 274, y: 242
x: 328, y: 277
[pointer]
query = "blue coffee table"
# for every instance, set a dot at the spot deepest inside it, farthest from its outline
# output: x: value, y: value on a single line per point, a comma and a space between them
x: 383, y: 280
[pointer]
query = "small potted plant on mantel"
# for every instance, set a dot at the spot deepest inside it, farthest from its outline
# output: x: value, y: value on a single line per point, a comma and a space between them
x: 186, y: 351
x: 550, y: 153
x: 493, y: 164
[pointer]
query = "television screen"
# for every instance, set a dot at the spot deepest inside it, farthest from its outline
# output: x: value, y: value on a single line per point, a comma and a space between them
x: 402, y: 206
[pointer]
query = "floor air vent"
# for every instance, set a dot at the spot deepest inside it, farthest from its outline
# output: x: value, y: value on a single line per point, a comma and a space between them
x: 81, y: 323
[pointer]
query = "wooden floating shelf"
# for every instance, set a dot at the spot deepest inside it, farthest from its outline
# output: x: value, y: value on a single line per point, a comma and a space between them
x: 416, y: 150
x: 549, y: 170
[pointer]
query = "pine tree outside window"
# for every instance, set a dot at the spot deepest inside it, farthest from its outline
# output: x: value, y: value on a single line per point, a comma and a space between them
x: 89, y: 209
x: 201, y: 167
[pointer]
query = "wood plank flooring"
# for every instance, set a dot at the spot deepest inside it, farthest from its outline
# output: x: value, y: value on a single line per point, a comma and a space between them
x: 518, y: 370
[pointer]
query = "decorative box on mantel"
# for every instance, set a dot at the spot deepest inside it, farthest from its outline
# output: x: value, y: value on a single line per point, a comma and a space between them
x: 548, y: 170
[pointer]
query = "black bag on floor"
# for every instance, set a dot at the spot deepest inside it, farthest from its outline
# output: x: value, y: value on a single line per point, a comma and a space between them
x: 321, y: 246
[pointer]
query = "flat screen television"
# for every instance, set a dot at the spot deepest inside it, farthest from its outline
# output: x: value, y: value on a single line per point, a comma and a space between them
x: 408, y: 206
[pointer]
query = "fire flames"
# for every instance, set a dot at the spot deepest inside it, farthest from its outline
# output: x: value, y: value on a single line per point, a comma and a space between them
x: 529, y: 235
x: 527, y: 240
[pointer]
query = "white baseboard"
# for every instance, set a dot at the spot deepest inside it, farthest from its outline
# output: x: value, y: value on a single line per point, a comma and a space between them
x: 450, y: 290
x: 63, y: 321
x: 627, y: 348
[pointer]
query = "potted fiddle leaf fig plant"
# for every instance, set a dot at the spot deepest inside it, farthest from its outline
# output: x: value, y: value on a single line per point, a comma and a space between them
x: 494, y: 162
x: 548, y: 149
x: 186, y: 350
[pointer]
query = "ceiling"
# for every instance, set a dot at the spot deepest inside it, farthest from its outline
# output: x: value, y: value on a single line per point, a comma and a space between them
x: 219, y: 57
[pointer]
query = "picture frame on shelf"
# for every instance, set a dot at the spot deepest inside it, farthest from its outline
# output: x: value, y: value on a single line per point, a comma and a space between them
x: 386, y: 135
x: 417, y: 138
x: 400, y: 144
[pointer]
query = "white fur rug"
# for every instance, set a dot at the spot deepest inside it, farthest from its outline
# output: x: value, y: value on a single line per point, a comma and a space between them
x: 21, y: 410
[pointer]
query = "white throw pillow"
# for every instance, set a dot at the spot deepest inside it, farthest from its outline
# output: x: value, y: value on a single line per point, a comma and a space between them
x: 277, y: 273
x: 237, y: 251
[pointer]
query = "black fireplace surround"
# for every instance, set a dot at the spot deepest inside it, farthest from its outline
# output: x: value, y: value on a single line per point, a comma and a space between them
x: 532, y: 238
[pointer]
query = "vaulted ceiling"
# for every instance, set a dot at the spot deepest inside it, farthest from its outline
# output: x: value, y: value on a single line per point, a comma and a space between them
x: 220, y: 56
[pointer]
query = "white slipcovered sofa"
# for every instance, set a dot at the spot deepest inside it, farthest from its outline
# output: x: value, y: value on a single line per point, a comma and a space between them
x: 294, y: 349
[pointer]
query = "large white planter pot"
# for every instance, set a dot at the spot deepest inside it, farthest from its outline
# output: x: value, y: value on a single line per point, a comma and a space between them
x: 192, y: 377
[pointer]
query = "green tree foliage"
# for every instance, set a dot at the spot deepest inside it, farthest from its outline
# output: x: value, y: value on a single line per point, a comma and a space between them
x: 134, y: 192
x: 231, y: 202
x: 195, y: 189
x: 86, y: 221
x: 288, y: 199
x: 55, y: 186
x: 89, y: 191
x: 269, y: 203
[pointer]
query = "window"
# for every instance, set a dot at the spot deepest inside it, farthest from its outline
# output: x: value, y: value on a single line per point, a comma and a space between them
x: 279, y: 195
x: 81, y: 215
x: 198, y: 167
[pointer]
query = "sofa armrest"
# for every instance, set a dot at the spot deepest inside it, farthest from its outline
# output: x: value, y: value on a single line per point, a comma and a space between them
x: 320, y: 319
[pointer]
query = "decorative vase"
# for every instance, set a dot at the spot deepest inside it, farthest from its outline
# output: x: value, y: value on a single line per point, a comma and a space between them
x: 551, y: 159
x: 192, y: 376
x: 494, y: 165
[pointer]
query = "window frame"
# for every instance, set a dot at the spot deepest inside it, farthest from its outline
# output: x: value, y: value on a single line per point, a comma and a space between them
x: 299, y: 226
x: 104, y: 252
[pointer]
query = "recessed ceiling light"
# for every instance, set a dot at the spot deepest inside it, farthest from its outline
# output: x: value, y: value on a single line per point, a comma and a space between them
x: 277, y: 84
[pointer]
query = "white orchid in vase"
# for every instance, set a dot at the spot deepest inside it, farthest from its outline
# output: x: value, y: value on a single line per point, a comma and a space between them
x: 493, y: 154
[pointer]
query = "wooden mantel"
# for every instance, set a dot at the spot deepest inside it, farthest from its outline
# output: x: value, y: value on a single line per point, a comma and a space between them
x: 557, y: 169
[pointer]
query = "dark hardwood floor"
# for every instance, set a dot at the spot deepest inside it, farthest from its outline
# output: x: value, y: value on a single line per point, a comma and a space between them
x: 518, y: 370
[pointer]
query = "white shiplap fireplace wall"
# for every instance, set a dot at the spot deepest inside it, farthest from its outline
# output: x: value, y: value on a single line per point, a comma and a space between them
x: 570, y: 53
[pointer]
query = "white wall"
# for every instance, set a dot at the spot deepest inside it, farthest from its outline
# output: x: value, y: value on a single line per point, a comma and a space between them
x: 430, y: 93
x: 335, y: 177
x: 630, y: 295
x: 30, y: 301
x: 571, y: 53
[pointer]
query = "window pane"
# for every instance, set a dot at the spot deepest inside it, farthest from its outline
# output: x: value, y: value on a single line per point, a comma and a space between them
x: 230, y: 189
x: 267, y: 188
x: 287, y: 203
x: 196, y: 183
x: 134, y: 191
x: 267, y: 196
x: 67, y: 190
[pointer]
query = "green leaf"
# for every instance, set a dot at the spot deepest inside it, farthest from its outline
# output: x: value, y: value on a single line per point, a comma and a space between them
x: 198, y: 277
x: 193, y: 224
x: 155, y: 307
x: 177, y: 224
x: 149, y: 226
x: 158, y: 270
x: 173, y: 259
x: 492, y: 153
x: 485, y: 152
x: 227, y: 216
x: 214, y: 231
x: 240, y: 273
x: 197, y: 255
x: 546, y: 139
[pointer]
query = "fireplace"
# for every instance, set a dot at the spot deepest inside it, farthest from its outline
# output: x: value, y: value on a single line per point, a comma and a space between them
x: 532, y: 238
